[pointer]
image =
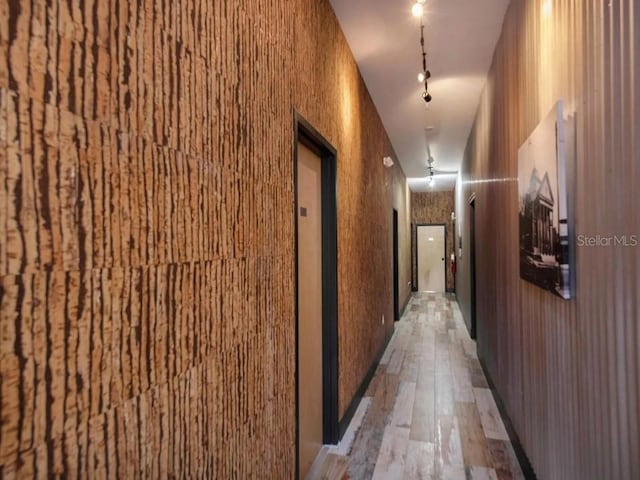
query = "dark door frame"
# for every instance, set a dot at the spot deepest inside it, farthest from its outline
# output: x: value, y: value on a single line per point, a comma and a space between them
x: 396, y: 267
x: 415, y: 242
x: 304, y: 133
x: 473, y: 330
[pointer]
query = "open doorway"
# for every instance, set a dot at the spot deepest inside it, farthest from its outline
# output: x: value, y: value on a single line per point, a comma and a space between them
x: 472, y: 268
x: 316, y: 294
x: 430, y: 258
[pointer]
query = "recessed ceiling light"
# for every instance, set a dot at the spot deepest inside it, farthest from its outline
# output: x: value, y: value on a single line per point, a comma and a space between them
x: 431, y: 239
x: 417, y: 10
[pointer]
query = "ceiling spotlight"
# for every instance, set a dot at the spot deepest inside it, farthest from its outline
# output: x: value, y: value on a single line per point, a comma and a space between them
x: 423, y: 76
x: 426, y: 96
x: 417, y: 10
x: 432, y: 182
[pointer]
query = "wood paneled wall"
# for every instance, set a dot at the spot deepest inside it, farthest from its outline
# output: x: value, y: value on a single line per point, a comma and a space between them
x: 146, y: 232
x: 568, y: 371
x: 434, y: 207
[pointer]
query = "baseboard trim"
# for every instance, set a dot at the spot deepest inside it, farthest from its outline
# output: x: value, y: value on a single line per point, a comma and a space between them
x: 525, y: 464
x: 355, y: 401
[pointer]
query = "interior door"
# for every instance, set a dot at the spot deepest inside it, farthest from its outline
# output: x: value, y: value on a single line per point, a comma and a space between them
x: 431, y: 258
x: 310, y: 408
x: 396, y: 285
x: 472, y: 263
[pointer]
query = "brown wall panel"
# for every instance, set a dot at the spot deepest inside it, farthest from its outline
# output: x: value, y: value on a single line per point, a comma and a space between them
x: 436, y: 208
x: 567, y: 370
x: 146, y: 231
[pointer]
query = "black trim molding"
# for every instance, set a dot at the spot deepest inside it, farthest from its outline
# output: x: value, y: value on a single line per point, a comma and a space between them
x: 525, y: 464
x: 362, y: 389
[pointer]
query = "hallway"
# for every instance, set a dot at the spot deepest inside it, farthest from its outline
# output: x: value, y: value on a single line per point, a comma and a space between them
x: 215, y: 218
x: 428, y: 412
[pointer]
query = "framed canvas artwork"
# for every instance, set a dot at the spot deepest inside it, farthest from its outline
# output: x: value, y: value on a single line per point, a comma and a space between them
x: 543, y: 228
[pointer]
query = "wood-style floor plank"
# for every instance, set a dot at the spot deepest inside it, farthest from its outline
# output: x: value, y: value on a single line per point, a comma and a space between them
x: 428, y: 412
x: 403, y: 409
x: 474, y: 443
x: 420, y: 463
x: 393, y: 453
x: 423, y: 428
x: 504, y: 460
x: 345, y: 445
x: 448, y: 444
x: 489, y: 415
x: 362, y: 460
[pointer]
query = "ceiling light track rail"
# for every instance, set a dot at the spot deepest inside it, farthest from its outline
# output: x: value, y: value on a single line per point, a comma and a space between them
x: 425, y: 74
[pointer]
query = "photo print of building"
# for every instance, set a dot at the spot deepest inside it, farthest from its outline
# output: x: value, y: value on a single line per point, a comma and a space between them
x: 544, y: 239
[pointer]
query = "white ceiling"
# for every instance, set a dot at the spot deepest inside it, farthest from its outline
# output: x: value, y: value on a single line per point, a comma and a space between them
x: 460, y: 39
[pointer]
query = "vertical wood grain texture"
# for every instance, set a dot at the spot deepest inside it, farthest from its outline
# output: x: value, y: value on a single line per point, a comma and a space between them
x: 567, y: 370
x: 434, y: 207
x: 146, y: 232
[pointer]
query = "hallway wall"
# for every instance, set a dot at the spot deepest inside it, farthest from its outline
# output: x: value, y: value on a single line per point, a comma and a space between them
x: 436, y: 208
x: 567, y: 370
x: 146, y: 240
x: 401, y: 199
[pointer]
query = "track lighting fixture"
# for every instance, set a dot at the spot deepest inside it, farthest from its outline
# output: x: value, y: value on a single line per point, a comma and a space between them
x: 425, y: 75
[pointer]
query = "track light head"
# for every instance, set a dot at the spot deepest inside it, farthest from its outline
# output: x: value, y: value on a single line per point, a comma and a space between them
x: 424, y: 76
x: 426, y: 97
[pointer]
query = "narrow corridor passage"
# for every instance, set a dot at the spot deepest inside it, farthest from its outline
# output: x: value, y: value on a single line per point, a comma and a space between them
x: 428, y: 412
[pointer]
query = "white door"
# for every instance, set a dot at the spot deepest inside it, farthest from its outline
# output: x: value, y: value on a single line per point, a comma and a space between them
x: 431, y: 255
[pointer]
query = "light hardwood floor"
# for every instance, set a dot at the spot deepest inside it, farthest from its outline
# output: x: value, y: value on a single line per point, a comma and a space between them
x: 428, y: 412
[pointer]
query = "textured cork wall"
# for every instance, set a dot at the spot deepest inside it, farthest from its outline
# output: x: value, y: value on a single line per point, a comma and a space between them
x: 567, y: 371
x: 436, y: 208
x: 146, y: 232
